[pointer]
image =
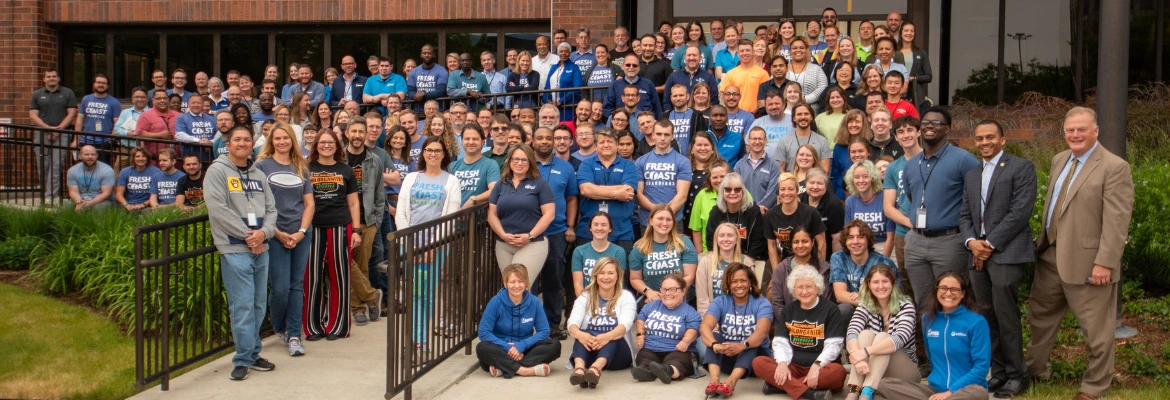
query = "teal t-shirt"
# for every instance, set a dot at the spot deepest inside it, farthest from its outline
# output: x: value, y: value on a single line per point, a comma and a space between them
x: 893, y: 180
x: 585, y: 257
x: 474, y: 177
x: 662, y: 261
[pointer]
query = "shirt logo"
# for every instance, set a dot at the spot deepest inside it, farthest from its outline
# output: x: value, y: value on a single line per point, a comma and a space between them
x: 530, y: 187
x: 805, y: 334
x: 234, y: 184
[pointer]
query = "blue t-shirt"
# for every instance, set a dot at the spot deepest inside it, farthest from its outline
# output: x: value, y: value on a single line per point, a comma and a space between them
x: 584, y: 61
x: 518, y: 207
x: 775, y: 131
x: 432, y: 81
x: 601, y: 75
x: 89, y: 183
x: 585, y: 257
x: 682, y: 128
x: 662, y: 261
x: 666, y: 327
x: 893, y: 180
x: 620, y: 172
x: 740, y: 121
x: 562, y: 179
x: 403, y: 168
x: 474, y: 177
x: 417, y: 146
x: 99, y: 116
x: 871, y: 213
x: 137, y: 183
x: 261, y: 117
x: 660, y: 175
x: 843, y: 269
x: 186, y: 96
x: 737, y: 323
x: 166, y: 186
x: 602, y: 322
x: 288, y: 189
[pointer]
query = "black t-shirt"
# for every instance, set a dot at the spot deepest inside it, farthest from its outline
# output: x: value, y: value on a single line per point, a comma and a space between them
x: 656, y: 71
x: 331, y: 185
x: 806, y: 330
x: 753, y: 239
x: 355, y: 163
x: 781, y: 226
x: 192, y: 190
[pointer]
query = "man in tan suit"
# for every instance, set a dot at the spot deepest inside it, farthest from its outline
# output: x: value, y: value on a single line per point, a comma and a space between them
x: 1086, y: 220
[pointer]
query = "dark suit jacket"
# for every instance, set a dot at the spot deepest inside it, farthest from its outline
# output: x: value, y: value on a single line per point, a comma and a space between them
x: 1011, y: 194
x: 1095, y: 222
x: 337, y: 89
x: 921, y: 71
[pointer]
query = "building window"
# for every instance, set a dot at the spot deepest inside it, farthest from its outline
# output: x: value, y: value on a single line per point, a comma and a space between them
x: 87, y: 57
x: 247, y: 54
x: 403, y: 46
x: 302, y: 49
x: 135, y: 59
x: 359, y: 46
x: 192, y: 53
x: 521, y: 42
x: 472, y: 43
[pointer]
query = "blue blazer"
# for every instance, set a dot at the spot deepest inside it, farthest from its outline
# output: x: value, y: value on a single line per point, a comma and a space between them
x: 337, y: 89
x: 570, y: 77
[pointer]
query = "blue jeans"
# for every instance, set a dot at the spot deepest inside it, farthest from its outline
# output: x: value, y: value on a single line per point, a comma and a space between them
x: 378, y: 254
x: 245, y: 278
x: 286, y: 272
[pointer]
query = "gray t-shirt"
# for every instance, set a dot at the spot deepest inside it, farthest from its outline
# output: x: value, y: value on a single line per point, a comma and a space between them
x: 89, y: 183
x: 427, y: 197
x: 786, y: 152
x: 289, y: 189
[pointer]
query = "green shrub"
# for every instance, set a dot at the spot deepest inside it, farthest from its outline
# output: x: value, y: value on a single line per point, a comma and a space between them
x: 1140, y: 361
x: 1147, y: 252
x: 38, y: 223
x: 18, y: 252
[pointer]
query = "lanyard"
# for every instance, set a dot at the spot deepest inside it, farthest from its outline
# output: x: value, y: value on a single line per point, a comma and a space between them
x: 926, y: 177
x: 244, y: 188
x: 89, y: 180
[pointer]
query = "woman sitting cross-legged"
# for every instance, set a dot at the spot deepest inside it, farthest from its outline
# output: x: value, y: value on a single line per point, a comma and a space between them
x: 514, y: 331
x: 667, y: 330
x: 880, y: 337
x: 742, y: 317
x: 808, y: 340
x: 601, y: 324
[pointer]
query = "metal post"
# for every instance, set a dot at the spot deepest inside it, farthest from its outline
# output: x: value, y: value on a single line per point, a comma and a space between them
x: 1001, y: 73
x: 165, y: 332
x: 1113, y: 74
x: 470, y: 278
x: 1159, y: 32
x: 944, y: 59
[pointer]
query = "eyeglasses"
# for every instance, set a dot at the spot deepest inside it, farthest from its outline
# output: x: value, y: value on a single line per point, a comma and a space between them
x: 520, y: 160
x: 672, y: 290
x: 937, y: 124
x: 631, y: 65
x: 731, y: 94
x: 499, y: 128
x: 331, y: 143
x: 563, y: 139
x: 951, y: 290
x: 733, y: 190
x: 433, y: 151
x: 804, y: 288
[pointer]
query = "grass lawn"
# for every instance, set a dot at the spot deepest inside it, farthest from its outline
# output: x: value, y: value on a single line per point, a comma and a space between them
x: 1065, y: 391
x: 52, y: 349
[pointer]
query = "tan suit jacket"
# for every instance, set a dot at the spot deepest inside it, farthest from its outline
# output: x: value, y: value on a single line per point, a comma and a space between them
x: 1095, y: 222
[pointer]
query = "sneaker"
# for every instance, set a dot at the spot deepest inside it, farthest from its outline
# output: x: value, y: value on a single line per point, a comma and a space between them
x: 314, y: 338
x: 642, y: 374
x: 263, y: 365
x: 359, y: 318
x: 283, y: 337
x: 374, y: 309
x: 294, y: 347
x: 239, y: 373
x: 332, y: 337
x: 815, y: 394
x: 382, y: 266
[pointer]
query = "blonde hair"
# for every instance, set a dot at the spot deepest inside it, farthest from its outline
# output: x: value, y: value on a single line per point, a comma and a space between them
x: 875, y: 177
x: 515, y: 269
x: 593, y: 291
x: 736, y: 254
x: 674, y: 242
x: 863, y: 89
x: 448, y: 135
x: 295, y: 159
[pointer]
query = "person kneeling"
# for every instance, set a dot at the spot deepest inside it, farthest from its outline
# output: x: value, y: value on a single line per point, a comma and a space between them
x: 667, y: 329
x: 809, y: 334
x: 601, y: 323
x: 514, y: 331
x: 742, y: 316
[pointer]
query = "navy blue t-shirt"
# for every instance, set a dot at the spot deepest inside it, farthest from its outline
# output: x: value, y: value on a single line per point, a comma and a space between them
x: 518, y: 207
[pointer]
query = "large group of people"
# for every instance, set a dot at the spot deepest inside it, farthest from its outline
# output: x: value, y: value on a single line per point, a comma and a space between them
x: 775, y: 208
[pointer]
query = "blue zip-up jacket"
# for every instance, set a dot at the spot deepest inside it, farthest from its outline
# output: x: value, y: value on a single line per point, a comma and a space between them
x: 682, y: 77
x: 648, y: 101
x: 570, y: 78
x: 523, y: 325
x: 959, y: 346
x: 837, y: 168
x: 730, y: 146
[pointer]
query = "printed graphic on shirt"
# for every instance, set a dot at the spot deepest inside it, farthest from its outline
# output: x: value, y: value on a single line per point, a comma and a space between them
x: 357, y: 175
x: 660, y: 174
x: 805, y: 334
x: 663, y: 325
x: 139, y: 184
x: 425, y: 82
x: 468, y: 179
x: 193, y: 196
x: 783, y: 237
x: 426, y: 194
x: 736, y: 327
x: 326, y: 184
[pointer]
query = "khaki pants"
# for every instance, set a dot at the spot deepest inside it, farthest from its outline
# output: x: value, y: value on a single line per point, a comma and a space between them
x: 897, y: 389
x: 360, y: 291
x: 532, y: 256
x: 895, y: 365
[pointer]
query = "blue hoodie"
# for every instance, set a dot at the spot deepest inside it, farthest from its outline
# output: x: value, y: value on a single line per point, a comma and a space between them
x: 959, y: 346
x: 523, y: 325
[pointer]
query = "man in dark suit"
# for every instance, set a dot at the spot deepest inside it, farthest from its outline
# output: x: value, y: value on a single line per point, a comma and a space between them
x: 1089, y: 202
x: 997, y: 204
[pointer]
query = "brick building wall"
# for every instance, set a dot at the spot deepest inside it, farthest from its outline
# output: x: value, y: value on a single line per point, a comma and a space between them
x: 28, y: 47
x: 600, y: 16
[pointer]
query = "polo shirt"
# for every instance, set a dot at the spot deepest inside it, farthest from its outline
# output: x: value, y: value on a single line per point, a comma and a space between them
x: 474, y: 177
x: 730, y: 146
x: 656, y: 71
x: 214, y: 105
x: 943, y: 192
x: 376, y: 85
x: 726, y: 60
x: 620, y: 172
x: 660, y: 175
x: 740, y: 121
x: 53, y: 106
x: 152, y: 120
x: 562, y: 179
x: 99, y: 113
x: 760, y: 180
x: 261, y: 117
x: 518, y: 207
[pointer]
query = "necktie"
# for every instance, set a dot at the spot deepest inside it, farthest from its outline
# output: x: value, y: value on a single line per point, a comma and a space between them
x: 1058, y: 209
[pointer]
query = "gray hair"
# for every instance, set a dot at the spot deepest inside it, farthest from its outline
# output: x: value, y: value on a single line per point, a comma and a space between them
x: 875, y: 177
x: 216, y: 80
x: 747, y: 201
x: 566, y: 45
x: 817, y: 172
x: 804, y: 271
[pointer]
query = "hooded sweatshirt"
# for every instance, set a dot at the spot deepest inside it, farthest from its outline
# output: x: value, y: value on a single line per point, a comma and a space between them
x: 959, y: 346
x: 523, y: 325
x: 231, y: 194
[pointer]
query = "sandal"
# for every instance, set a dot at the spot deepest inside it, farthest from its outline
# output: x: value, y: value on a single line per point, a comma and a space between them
x: 725, y: 390
x: 494, y: 372
x: 578, y: 379
x: 592, y: 377
x: 712, y: 389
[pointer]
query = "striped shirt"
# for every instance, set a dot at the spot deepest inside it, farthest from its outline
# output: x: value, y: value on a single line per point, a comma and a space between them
x: 901, y: 328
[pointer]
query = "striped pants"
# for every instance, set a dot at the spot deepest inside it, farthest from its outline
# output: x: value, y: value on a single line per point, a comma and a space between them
x: 326, y: 308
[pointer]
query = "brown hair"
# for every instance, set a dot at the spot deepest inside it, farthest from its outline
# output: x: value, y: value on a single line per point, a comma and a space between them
x: 338, y: 156
x: 533, y: 168
x: 862, y: 228
x: 515, y: 269
x: 736, y: 267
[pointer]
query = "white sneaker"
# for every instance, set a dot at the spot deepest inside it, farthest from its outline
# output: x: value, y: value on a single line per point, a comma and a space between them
x: 294, y: 347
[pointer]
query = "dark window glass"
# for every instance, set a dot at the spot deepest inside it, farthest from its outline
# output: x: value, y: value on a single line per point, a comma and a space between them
x: 302, y: 49
x: 360, y: 47
x: 247, y: 54
x: 135, y: 59
x: 408, y: 46
x: 472, y: 43
x: 87, y: 56
x: 521, y: 41
x: 192, y: 53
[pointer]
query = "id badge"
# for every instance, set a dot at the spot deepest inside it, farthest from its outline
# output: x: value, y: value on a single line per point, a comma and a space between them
x: 97, y: 126
x: 604, y: 207
x: 252, y: 223
x: 921, y: 221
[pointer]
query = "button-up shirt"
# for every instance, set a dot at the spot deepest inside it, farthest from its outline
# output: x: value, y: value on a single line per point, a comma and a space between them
x: 988, y: 172
x: 1060, y: 180
x: 939, y: 180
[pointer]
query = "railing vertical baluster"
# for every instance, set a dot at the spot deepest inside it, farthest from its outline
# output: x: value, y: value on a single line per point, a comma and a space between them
x: 166, y: 311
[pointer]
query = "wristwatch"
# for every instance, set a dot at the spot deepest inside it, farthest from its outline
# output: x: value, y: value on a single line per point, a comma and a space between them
x: 746, y: 345
x: 530, y: 237
x: 302, y: 230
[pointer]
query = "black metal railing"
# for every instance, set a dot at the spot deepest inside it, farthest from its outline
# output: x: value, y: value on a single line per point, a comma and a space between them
x: 526, y: 99
x: 34, y: 161
x: 441, y: 275
x: 181, y: 310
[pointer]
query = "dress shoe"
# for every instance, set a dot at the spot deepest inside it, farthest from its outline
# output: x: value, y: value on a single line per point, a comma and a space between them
x: 1083, y: 396
x: 1012, y: 388
x: 994, y: 384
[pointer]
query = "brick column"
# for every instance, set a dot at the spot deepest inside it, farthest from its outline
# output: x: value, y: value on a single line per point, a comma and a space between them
x: 598, y: 15
x: 28, y: 46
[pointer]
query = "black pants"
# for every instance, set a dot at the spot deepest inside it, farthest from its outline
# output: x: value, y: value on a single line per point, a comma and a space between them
x: 997, y: 285
x: 616, y: 352
x: 491, y: 355
x: 680, y: 360
x: 551, y: 286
